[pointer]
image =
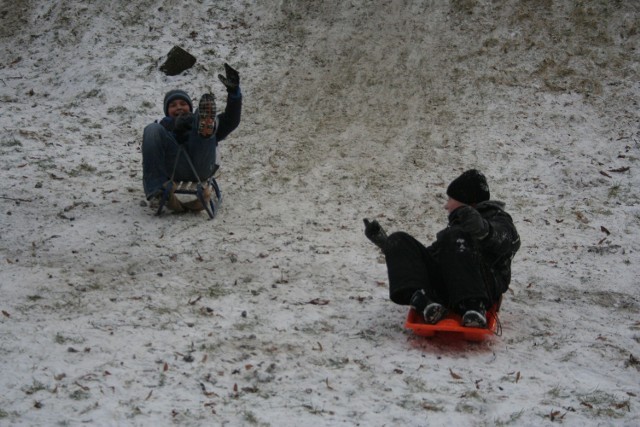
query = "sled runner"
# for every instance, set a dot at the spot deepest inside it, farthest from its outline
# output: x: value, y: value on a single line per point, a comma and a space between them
x: 207, y: 193
x: 451, y: 326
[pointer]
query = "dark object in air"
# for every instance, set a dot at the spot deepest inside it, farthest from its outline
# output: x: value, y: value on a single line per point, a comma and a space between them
x: 178, y: 60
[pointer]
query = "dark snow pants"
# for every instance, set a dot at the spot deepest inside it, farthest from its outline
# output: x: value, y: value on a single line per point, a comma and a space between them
x: 449, y: 271
x: 159, y: 152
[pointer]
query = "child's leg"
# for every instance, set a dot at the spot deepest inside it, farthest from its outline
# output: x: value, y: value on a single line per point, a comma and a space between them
x: 410, y: 268
x: 461, y: 268
x: 159, y: 150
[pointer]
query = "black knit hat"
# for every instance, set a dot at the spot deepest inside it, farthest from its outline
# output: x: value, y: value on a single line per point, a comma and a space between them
x: 469, y: 188
x: 173, y: 95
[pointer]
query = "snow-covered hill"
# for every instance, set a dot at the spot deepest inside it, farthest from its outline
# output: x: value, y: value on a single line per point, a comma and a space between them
x: 276, y: 313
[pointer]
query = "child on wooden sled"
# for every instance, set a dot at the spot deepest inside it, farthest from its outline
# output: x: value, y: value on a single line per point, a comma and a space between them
x: 183, y: 131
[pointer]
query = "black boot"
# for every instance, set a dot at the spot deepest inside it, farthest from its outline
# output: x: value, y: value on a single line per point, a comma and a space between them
x: 419, y: 300
x: 432, y: 311
x: 475, y: 313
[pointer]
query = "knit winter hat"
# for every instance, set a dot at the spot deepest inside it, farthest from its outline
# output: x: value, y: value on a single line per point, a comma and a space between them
x: 469, y: 188
x: 173, y: 95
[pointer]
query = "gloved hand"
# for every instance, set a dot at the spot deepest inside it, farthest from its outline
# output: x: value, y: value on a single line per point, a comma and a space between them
x: 183, y: 123
x: 472, y: 222
x: 232, y: 79
x: 168, y: 123
x: 375, y: 233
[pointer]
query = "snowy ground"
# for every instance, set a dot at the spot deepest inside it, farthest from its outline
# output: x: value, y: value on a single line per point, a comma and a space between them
x: 276, y: 313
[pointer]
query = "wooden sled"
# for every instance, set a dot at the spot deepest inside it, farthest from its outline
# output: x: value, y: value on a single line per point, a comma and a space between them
x: 207, y: 192
x: 451, y: 326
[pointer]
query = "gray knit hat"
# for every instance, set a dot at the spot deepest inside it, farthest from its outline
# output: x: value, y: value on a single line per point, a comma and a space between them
x: 173, y: 95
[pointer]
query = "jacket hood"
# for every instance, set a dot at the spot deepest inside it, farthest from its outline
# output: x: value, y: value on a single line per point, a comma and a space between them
x: 490, y: 204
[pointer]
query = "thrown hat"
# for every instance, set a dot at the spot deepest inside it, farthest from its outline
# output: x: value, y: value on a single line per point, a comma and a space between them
x: 469, y: 188
x: 172, y: 95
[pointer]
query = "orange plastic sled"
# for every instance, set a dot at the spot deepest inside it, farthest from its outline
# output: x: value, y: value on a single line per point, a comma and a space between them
x: 451, y: 326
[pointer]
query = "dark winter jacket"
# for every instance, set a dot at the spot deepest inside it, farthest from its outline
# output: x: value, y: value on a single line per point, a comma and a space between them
x: 230, y: 118
x: 226, y: 121
x: 499, y: 247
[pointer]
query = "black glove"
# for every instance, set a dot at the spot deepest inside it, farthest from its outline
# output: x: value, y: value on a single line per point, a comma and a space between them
x: 232, y: 80
x: 184, y: 123
x: 168, y: 123
x: 375, y: 233
x: 471, y: 222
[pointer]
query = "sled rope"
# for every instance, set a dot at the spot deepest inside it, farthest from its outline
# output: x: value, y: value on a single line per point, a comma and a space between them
x: 498, y: 331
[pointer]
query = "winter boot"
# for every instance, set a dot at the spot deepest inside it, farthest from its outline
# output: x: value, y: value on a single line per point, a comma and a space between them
x: 475, y: 314
x: 207, y: 112
x: 434, y: 312
x: 419, y: 300
x: 166, y: 197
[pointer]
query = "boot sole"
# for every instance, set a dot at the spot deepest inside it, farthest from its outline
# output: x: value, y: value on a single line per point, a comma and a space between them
x: 207, y: 113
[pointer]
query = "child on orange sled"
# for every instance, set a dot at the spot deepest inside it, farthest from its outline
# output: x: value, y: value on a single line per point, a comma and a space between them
x: 467, y: 268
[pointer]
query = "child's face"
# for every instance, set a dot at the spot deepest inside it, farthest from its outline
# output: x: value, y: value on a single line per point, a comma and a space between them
x: 452, y: 205
x: 177, y: 107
